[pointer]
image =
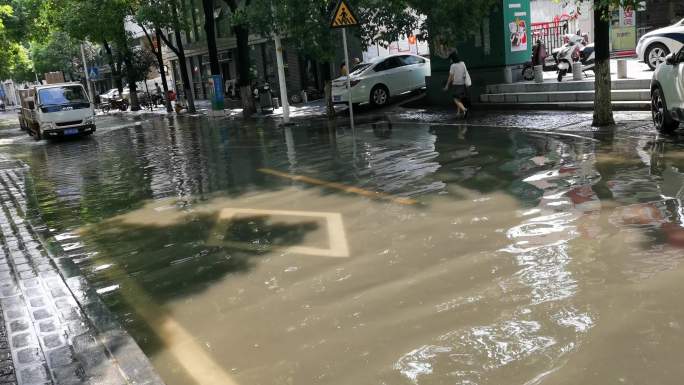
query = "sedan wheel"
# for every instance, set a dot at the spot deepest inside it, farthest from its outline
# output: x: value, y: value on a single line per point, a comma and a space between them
x: 657, y: 55
x: 379, y: 96
x: 661, y: 117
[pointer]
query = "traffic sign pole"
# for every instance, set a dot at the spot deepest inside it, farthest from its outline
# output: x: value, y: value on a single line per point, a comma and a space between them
x: 87, y: 76
x: 349, y: 95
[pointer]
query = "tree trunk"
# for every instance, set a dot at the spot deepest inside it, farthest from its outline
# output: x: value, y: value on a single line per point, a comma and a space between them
x: 327, y: 78
x: 243, y: 64
x: 116, y: 74
x: 603, y: 108
x: 162, y: 72
x: 209, y: 28
x: 183, y: 63
x: 132, y: 88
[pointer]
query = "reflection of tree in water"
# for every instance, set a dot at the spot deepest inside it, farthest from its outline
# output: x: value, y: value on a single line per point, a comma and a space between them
x: 163, y: 263
x: 489, y: 160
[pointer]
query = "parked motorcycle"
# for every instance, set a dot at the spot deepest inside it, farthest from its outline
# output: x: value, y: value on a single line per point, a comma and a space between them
x: 264, y: 98
x: 568, y: 54
x: 117, y: 104
x: 539, y: 56
x: 588, y: 57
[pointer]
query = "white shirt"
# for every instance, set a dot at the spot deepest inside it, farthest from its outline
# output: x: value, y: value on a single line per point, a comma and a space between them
x: 459, y: 74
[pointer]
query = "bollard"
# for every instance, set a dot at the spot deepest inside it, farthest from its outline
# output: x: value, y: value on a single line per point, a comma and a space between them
x: 508, y: 75
x: 577, y: 73
x: 539, y: 74
x: 622, y: 69
x: 305, y: 97
x: 276, y: 103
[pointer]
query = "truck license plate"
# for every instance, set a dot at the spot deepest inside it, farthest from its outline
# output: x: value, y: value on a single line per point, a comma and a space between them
x: 71, y: 131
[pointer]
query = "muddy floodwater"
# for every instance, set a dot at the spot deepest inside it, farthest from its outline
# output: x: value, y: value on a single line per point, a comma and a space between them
x: 420, y: 254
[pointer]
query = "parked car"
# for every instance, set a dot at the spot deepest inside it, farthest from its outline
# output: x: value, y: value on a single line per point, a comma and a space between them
x: 109, y: 95
x: 667, y: 92
x: 654, y: 46
x: 380, y: 79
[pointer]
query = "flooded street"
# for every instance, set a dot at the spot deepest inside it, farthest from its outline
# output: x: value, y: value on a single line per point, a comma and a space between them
x: 417, y: 254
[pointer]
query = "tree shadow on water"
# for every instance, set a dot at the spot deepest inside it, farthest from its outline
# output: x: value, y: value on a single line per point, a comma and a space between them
x: 157, y: 263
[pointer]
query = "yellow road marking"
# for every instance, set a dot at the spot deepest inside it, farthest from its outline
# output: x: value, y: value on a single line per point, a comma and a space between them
x: 337, y: 237
x: 341, y: 187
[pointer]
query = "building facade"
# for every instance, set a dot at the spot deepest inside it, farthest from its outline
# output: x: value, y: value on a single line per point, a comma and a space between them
x: 302, y: 73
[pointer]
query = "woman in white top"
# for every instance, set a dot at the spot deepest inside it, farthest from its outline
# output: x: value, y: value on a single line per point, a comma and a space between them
x: 459, y: 79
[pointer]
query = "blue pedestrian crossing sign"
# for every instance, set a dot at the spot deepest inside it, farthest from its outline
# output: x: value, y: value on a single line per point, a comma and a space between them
x: 93, y: 73
x: 344, y: 16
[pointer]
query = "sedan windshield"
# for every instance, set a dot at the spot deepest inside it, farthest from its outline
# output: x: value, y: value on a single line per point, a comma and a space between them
x: 62, y: 95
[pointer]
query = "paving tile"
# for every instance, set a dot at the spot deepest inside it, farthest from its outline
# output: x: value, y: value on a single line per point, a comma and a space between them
x: 19, y: 325
x: 34, y: 375
x: 41, y: 314
x: 29, y: 355
x: 21, y: 340
x: 52, y: 341
x: 47, y: 326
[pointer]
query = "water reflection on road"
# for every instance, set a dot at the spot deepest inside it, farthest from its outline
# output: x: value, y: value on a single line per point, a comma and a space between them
x: 419, y: 254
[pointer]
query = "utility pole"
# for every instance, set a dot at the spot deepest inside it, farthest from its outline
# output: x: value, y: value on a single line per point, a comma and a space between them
x: 281, y: 79
x: 85, y: 70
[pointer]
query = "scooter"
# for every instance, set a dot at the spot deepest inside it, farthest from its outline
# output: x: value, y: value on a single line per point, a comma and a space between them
x: 588, y: 57
x: 264, y: 97
x: 548, y: 63
x: 567, y: 54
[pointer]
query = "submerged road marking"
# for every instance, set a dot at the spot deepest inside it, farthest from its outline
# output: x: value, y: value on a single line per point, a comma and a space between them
x: 341, y: 187
x: 337, y: 237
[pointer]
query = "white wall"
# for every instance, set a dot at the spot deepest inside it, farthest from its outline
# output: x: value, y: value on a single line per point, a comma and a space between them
x: 402, y: 46
x: 547, y: 10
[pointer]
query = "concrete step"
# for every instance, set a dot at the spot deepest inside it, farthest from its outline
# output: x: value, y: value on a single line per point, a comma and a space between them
x: 566, y: 86
x: 576, y: 106
x: 639, y: 95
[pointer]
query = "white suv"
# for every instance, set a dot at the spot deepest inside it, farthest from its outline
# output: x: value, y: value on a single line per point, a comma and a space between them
x: 654, y: 46
x: 667, y: 92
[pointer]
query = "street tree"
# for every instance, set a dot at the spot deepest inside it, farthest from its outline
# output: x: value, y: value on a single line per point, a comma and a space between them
x: 16, y: 18
x: 163, y: 16
x: 76, y: 17
x: 57, y: 52
x: 306, y: 24
x: 240, y: 9
x: 603, y: 105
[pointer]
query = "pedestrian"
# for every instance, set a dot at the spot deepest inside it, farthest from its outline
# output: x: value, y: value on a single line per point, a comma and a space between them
x: 459, y: 81
x: 343, y: 70
x: 160, y: 95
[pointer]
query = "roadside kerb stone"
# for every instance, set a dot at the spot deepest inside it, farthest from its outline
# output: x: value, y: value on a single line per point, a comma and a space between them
x: 27, y: 301
x: 58, y: 330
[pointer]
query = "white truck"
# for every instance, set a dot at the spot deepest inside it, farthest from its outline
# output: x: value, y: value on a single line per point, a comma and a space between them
x: 56, y: 110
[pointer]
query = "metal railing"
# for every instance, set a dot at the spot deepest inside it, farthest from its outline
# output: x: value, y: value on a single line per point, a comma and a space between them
x: 551, y: 34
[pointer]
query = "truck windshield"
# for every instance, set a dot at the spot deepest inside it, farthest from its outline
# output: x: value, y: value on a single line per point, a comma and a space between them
x: 62, y: 95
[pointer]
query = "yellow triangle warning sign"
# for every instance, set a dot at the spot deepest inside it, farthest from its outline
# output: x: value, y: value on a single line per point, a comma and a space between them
x: 344, y: 16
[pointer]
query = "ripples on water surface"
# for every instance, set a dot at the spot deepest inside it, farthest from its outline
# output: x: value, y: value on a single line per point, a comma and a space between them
x: 528, y: 259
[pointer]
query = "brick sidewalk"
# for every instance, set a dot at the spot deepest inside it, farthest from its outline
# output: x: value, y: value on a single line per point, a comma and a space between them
x: 45, y: 336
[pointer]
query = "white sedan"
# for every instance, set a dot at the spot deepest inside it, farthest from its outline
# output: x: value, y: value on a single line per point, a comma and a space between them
x: 667, y: 92
x: 654, y: 46
x: 380, y: 79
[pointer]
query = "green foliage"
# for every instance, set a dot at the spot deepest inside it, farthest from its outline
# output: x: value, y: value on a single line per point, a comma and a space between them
x: 57, y: 52
x: 14, y: 59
